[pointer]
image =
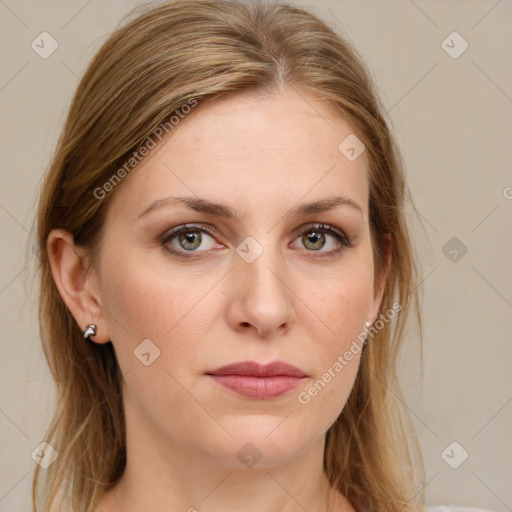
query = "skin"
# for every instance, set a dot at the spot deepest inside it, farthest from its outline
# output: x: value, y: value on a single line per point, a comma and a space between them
x: 261, y: 155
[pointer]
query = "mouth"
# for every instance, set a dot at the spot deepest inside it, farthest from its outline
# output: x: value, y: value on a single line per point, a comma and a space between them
x: 254, y: 380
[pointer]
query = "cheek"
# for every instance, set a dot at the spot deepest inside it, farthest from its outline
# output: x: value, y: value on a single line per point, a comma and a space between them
x: 343, y: 305
x: 143, y: 304
x: 167, y: 307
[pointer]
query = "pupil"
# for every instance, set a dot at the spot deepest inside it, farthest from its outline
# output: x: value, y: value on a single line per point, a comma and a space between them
x: 190, y: 240
x: 315, y: 238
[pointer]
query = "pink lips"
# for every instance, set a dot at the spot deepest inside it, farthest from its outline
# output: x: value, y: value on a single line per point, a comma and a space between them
x: 254, y: 380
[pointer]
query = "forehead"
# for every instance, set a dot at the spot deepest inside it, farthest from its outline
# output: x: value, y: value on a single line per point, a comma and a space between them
x: 253, y: 150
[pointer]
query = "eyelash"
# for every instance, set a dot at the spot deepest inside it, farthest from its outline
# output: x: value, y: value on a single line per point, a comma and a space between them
x: 343, y: 240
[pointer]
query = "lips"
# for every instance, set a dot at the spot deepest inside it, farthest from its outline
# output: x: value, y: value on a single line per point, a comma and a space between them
x: 259, y: 370
x: 253, y: 380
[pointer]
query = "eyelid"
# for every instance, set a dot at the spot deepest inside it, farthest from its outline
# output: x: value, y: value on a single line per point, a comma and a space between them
x: 323, y: 226
x: 183, y: 227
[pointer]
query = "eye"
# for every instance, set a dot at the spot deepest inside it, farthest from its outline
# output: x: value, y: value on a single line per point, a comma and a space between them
x: 189, y: 239
x: 192, y: 241
x: 316, y: 237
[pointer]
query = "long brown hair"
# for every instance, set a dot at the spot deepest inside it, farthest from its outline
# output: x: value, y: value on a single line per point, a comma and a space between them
x: 161, y: 58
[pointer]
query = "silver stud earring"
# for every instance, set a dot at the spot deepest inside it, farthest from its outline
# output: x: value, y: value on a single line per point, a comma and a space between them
x: 90, y: 330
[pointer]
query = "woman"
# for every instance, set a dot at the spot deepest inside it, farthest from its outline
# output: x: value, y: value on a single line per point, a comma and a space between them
x: 226, y: 273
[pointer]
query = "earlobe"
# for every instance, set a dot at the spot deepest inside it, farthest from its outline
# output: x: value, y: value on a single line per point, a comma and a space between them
x: 73, y: 282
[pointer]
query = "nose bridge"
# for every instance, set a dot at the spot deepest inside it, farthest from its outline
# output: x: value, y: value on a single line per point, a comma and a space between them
x: 264, y: 295
x: 260, y: 264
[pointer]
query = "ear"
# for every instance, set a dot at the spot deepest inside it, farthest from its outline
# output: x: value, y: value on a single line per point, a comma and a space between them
x: 76, y: 283
x: 380, y: 284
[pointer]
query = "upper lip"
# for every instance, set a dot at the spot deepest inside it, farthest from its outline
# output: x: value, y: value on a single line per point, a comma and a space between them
x: 252, y: 368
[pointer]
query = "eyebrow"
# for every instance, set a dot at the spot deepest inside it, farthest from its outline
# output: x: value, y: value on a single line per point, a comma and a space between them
x: 220, y: 210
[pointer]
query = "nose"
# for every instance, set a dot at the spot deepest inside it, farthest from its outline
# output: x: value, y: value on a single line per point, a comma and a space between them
x: 261, y: 296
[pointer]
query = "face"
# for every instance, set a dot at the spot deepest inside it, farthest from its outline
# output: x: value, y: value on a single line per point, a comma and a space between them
x: 187, y: 288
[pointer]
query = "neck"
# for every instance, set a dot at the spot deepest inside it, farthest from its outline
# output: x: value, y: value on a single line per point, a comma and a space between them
x: 163, y: 476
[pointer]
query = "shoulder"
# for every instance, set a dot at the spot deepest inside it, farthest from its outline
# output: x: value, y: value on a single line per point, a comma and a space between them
x: 453, y: 508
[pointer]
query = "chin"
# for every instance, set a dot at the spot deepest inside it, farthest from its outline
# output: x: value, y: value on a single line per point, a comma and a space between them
x: 262, y: 442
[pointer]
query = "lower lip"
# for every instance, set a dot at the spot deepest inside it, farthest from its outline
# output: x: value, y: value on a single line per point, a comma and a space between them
x: 258, y: 387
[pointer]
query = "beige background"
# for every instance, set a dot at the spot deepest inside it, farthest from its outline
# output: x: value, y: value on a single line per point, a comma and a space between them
x: 452, y: 118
